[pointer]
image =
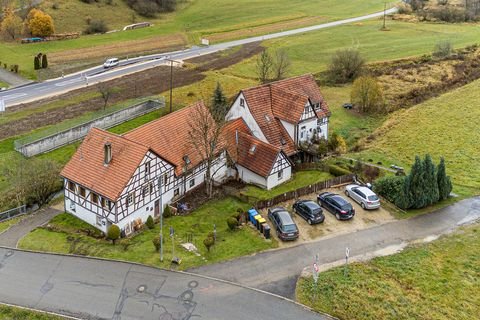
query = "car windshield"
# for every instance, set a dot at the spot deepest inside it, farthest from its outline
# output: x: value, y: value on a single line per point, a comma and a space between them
x: 316, y: 212
x: 373, y: 198
x: 290, y: 228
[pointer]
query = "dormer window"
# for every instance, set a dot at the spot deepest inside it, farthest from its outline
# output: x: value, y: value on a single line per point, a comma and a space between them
x: 107, y: 150
x: 242, y: 102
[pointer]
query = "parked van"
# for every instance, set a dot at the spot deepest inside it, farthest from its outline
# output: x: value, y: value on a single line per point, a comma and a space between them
x: 112, y: 62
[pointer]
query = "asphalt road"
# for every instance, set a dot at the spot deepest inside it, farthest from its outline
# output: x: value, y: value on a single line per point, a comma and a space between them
x: 277, y: 271
x: 90, y: 76
x: 96, y: 289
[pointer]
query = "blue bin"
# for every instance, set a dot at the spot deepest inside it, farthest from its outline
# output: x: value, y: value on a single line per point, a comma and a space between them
x: 251, y: 214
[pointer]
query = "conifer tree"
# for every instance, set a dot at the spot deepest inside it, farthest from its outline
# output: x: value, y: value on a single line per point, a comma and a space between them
x: 416, y: 185
x: 443, y: 181
x: 431, y: 186
x: 44, y: 61
x: 219, y: 103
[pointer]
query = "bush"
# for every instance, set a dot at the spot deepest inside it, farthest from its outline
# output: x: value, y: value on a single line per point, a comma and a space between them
x: 232, y: 223
x: 346, y: 66
x: 337, y: 171
x: 367, y: 95
x: 208, y: 242
x: 150, y: 223
x: 389, y: 187
x: 450, y: 14
x: 96, y: 26
x: 167, y: 213
x: 113, y: 233
x: 443, y: 49
x: 125, y: 244
x: 44, y: 62
x: 157, y: 244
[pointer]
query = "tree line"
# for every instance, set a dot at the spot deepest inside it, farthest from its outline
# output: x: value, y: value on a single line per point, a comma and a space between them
x: 426, y: 184
x: 36, y: 23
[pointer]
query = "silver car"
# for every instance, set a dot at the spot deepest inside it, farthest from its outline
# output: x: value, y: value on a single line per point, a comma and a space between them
x: 363, y: 195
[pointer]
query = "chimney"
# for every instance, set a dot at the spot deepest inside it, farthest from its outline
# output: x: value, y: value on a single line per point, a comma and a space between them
x: 107, y: 152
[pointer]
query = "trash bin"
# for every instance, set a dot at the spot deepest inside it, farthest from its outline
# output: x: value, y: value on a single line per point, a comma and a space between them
x: 261, y: 222
x: 251, y: 214
x: 257, y: 221
x: 266, y: 231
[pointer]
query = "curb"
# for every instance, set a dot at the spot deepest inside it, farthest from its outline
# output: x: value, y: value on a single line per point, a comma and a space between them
x: 40, y: 311
x: 173, y: 271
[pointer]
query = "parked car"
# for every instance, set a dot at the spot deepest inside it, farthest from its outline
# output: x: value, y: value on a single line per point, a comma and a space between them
x: 337, y: 205
x: 112, y: 62
x: 283, y: 223
x: 309, y: 210
x: 363, y: 195
x: 347, y: 105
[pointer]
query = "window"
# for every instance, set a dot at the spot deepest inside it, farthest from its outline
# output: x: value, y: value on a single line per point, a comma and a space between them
x: 147, y: 168
x: 71, y: 186
x: 82, y: 192
x: 192, y: 183
x: 94, y: 198
x: 151, y: 187
x: 280, y: 174
x: 130, y: 198
x: 106, y: 204
x: 165, y: 179
x: 176, y: 192
x: 147, y: 189
x: 72, y: 206
x: 302, y: 132
x: 242, y: 102
x: 99, y: 221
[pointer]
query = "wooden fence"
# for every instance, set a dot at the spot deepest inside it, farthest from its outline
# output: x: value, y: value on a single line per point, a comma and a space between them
x: 313, y: 188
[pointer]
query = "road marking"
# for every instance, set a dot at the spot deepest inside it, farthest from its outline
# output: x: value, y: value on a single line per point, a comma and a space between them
x: 13, y: 96
x: 68, y: 82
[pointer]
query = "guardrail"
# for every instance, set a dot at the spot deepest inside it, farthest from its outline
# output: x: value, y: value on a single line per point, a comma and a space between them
x: 12, y: 213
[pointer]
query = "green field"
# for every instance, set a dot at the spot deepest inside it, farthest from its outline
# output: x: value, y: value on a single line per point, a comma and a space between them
x: 230, y: 244
x: 193, y: 19
x: 431, y: 281
x: 311, y: 52
x: 445, y: 126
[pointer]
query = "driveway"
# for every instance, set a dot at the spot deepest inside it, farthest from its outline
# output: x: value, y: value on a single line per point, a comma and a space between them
x: 277, y: 270
x: 98, y: 289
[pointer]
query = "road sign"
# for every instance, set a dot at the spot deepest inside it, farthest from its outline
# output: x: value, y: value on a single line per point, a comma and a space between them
x: 347, y: 252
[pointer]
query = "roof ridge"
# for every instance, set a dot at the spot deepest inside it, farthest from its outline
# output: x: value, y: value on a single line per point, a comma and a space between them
x: 279, y: 81
x: 263, y: 143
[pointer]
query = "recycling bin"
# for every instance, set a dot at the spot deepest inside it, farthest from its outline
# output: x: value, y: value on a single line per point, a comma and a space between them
x: 251, y: 214
x: 261, y: 222
x: 266, y: 231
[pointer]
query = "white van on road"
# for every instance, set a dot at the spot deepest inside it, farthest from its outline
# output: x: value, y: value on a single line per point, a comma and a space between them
x: 111, y: 62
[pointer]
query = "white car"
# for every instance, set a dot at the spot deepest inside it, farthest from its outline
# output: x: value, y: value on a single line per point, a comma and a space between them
x: 112, y: 62
x: 363, y: 195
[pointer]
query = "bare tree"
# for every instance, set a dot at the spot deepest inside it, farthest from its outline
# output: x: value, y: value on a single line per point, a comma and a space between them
x: 105, y: 91
x: 205, y: 136
x: 281, y: 65
x: 264, y: 66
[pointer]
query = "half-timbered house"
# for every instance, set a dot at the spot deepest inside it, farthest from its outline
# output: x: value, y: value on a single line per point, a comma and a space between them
x: 285, y: 113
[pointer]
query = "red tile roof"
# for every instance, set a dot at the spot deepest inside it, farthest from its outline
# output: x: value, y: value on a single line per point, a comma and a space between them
x: 87, y: 166
x: 169, y: 137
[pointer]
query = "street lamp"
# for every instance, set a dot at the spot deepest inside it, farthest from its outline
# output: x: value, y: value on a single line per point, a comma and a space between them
x: 171, y: 80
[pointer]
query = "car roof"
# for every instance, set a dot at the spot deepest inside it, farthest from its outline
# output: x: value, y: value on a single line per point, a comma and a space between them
x: 285, y: 217
x: 365, y: 190
x: 311, y: 204
x: 339, y: 199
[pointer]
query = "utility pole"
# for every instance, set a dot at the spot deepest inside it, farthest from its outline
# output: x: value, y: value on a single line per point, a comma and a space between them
x: 384, y: 15
x: 171, y: 84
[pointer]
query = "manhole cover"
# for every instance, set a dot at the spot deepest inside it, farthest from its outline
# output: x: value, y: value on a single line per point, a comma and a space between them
x: 142, y: 288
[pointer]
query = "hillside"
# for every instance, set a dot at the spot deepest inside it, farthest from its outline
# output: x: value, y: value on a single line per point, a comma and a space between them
x: 444, y: 126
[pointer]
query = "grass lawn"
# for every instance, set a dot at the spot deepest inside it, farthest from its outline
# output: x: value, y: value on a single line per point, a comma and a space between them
x: 9, y: 312
x: 4, y: 225
x: 444, y: 126
x: 299, y: 179
x: 199, y: 224
x: 438, y: 281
